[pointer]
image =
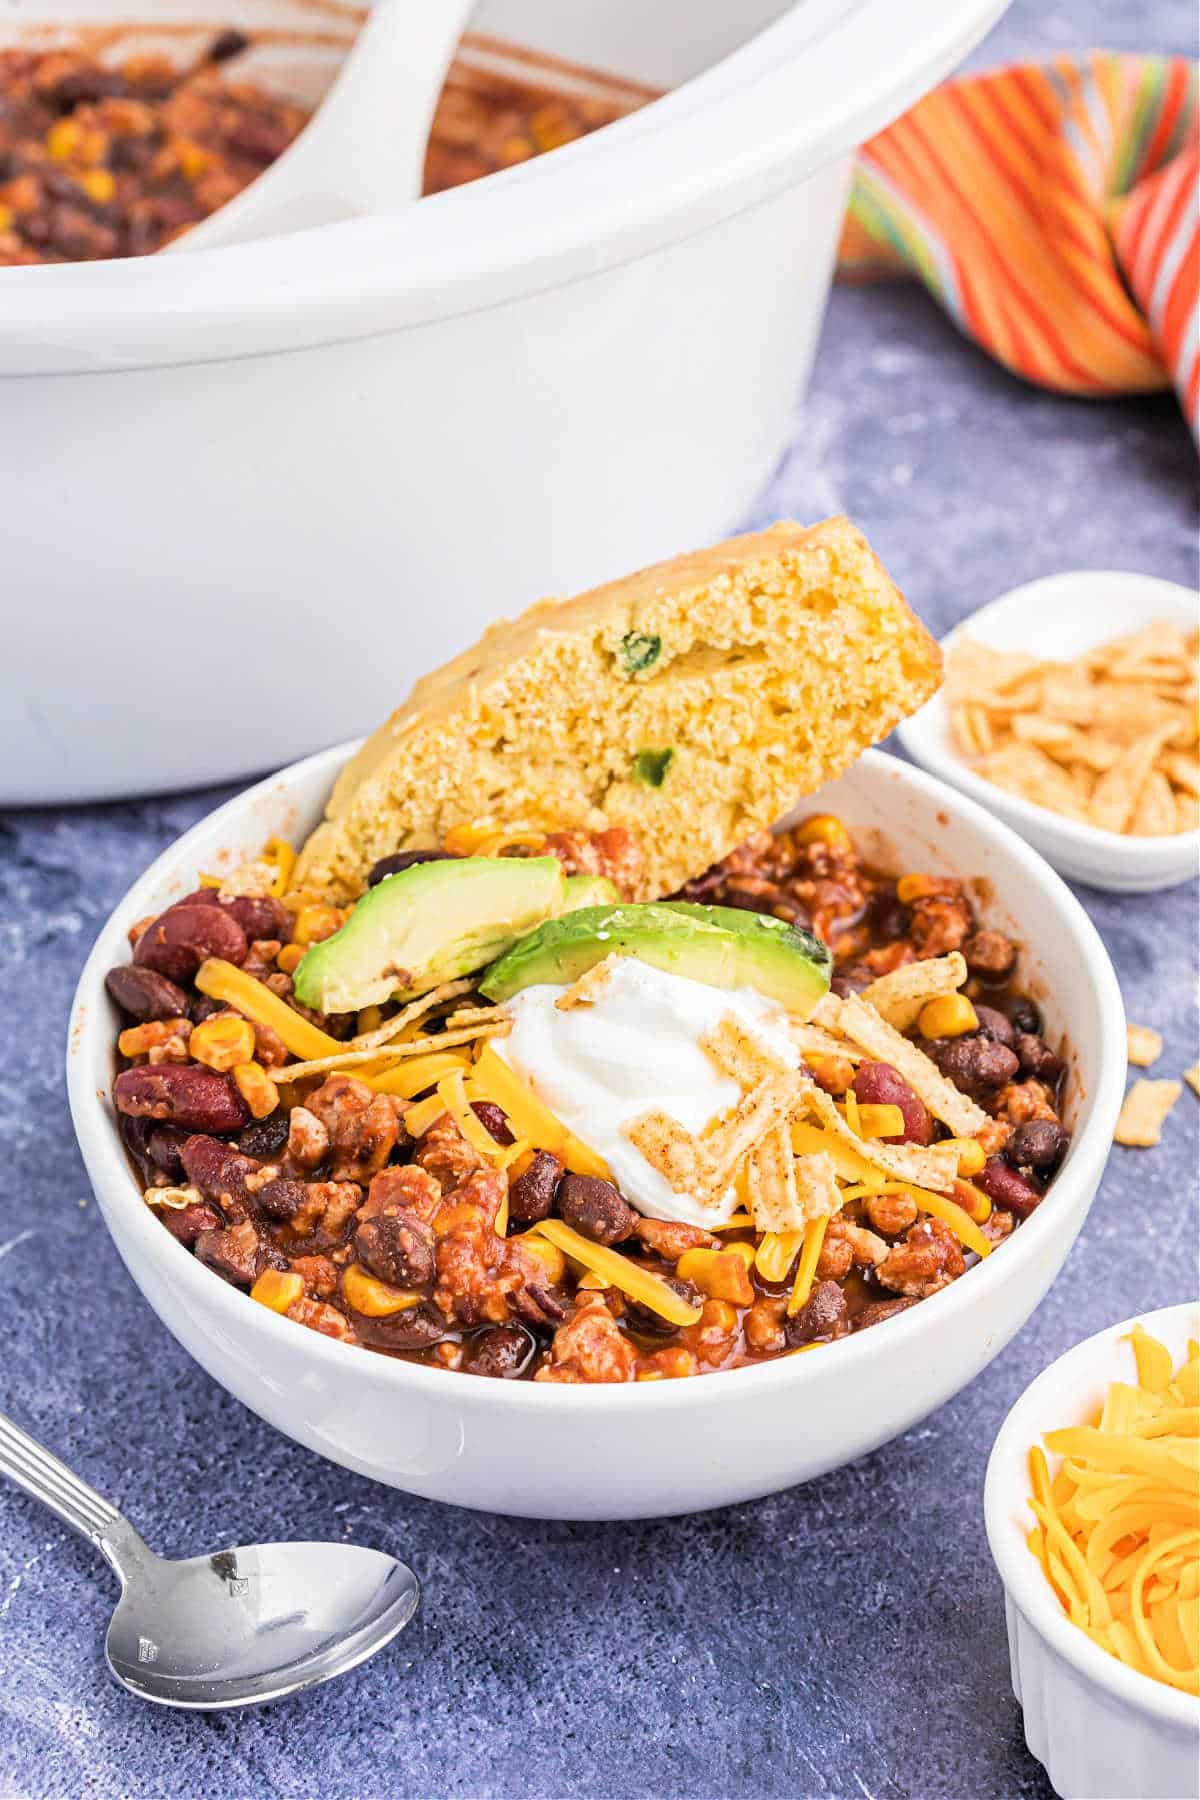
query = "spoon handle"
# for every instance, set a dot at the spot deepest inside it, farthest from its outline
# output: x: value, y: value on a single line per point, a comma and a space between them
x: 24, y: 1461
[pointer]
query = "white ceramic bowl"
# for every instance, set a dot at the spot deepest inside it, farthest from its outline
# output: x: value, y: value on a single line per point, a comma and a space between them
x: 1103, y: 1732
x: 666, y: 1447
x: 391, y: 431
x: 1062, y: 616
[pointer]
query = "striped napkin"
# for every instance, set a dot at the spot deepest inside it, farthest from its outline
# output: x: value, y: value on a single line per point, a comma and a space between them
x: 1052, y: 209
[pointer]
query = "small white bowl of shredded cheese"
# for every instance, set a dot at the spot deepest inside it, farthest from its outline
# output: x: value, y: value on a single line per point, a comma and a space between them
x: 1102, y: 1730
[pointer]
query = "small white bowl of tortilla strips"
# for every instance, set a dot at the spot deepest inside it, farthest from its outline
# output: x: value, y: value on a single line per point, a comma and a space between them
x: 1069, y: 711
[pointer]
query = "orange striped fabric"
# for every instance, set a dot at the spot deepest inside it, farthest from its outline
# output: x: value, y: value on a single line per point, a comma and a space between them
x: 1052, y: 210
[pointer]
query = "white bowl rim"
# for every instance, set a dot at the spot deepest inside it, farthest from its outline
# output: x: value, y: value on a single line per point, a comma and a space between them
x: 1134, y: 852
x: 1020, y: 1571
x: 658, y: 179
x: 108, y: 1167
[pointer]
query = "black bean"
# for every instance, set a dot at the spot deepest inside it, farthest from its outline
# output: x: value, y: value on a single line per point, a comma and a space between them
x: 502, y: 1352
x: 226, y: 44
x: 265, y: 1138
x: 647, y: 1323
x: 397, y: 1248
x: 824, y: 1315
x: 595, y: 1208
x: 1022, y: 1011
x: 974, y: 1064
x: 531, y: 1195
x: 414, y: 1329
x: 403, y: 859
x: 993, y: 1024
x: 1037, y: 1144
x: 282, y: 1199
x: 1038, y: 1059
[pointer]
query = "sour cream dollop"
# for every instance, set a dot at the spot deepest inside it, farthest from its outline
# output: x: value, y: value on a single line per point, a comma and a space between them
x: 633, y: 1049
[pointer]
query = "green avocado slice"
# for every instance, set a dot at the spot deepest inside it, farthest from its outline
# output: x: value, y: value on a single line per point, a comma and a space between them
x: 590, y: 890
x: 427, y: 924
x: 721, y: 946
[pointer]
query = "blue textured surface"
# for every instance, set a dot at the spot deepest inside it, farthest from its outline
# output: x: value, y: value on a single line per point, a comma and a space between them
x: 846, y: 1638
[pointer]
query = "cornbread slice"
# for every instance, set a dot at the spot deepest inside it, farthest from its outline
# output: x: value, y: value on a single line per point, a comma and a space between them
x: 763, y: 665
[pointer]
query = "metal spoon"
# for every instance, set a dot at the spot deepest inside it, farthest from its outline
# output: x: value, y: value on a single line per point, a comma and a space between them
x: 232, y: 1629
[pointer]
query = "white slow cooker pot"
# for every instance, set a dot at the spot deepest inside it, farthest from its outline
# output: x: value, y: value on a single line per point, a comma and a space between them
x: 248, y: 494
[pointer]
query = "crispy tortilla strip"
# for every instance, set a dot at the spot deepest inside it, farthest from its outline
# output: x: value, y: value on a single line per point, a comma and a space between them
x: 864, y: 1026
x: 741, y: 1055
x: 1192, y: 1077
x: 416, y: 1009
x: 591, y: 984
x: 771, y: 1183
x: 1118, y: 788
x: 935, y: 1167
x: 899, y: 996
x: 1145, y: 1107
x: 812, y: 1040
x: 1143, y: 1045
x: 684, y: 1162
x: 772, y: 1102
x: 1024, y: 770
x: 387, y: 1054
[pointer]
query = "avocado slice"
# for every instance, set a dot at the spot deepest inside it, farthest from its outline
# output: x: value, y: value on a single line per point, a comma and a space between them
x: 590, y: 890
x: 429, y: 923
x: 722, y: 946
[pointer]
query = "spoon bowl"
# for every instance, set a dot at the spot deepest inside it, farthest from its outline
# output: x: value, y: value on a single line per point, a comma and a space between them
x: 255, y: 1623
x: 236, y: 1628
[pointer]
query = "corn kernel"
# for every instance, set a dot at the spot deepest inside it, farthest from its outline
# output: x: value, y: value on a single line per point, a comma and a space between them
x: 971, y: 1154
x: 256, y: 1088
x: 589, y: 1282
x: 374, y: 1299
x: 950, y: 1015
x: 650, y: 1375
x: 139, y: 1040
x: 194, y: 159
x: 278, y: 1290
x: 674, y: 1365
x: 833, y: 1073
x: 973, y: 1201
x: 99, y: 184
x: 64, y: 139
x: 289, y: 958
x: 746, y: 1251
x: 918, y: 887
x: 315, y: 923
x: 6, y: 218
x: 721, y: 1274
x: 370, y: 1018
x: 514, y: 150
x: 823, y: 828
x: 222, y: 1042
x: 548, y: 1254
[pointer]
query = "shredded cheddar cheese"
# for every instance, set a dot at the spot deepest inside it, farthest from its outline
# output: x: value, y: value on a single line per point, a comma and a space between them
x: 492, y: 1079
x: 1118, y: 1523
x: 618, y: 1271
x: 814, y: 1237
x: 223, y: 981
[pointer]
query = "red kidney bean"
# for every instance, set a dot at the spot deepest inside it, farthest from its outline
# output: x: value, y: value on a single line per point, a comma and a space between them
x: 183, y: 937
x: 531, y: 1195
x: 500, y: 1351
x: 1004, y: 1187
x: 595, y: 1208
x: 493, y: 1121
x: 877, y: 1311
x: 217, y: 1169
x: 397, y: 1248
x: 878, y: 1084
x: 187, y: 1222
x: 282, y: 1199
x: 144, y: 994
x: 181, y: 1094
x: 260, y: 917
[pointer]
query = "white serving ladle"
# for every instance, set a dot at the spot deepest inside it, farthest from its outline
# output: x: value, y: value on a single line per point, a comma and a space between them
x: 363, y: 151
